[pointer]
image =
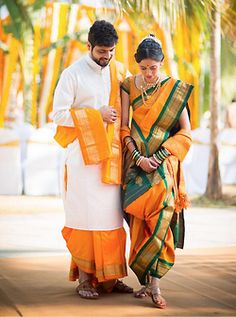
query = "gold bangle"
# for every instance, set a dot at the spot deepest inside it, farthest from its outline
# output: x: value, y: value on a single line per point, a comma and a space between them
x: 128, y: 142
x: 139, y: 160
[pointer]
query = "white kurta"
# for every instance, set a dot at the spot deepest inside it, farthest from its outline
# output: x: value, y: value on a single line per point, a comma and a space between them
x: 89, y: 204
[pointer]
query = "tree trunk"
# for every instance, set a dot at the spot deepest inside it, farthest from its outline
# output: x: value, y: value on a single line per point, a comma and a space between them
x: 27, y: 71
x: 214, y: 186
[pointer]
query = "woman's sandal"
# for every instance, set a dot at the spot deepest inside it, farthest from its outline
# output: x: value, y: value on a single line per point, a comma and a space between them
x: 86, y: 290
x: 121, y: 287
x: 157, y: 299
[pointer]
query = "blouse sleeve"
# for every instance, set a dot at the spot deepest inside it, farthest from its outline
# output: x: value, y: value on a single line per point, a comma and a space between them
x: 126, y: 85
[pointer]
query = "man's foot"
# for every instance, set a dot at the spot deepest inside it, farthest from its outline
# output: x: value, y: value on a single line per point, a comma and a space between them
x: 157, y: 299
x: 86, y: 290
x: 121, y: 287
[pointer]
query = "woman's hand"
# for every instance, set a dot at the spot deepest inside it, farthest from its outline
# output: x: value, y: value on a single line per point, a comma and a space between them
x: 108, y: 113
x: 148, y: 164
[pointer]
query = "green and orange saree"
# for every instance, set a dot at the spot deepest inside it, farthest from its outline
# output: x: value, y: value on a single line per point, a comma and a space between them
x: 154, y: 201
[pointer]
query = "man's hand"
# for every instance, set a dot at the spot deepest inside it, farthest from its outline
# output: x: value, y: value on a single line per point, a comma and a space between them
x: 108, y: 113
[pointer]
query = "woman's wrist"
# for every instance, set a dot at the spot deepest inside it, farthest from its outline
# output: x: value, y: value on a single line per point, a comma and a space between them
x: 140, y: 159
x: 128, y: 140
x: 161, y: 155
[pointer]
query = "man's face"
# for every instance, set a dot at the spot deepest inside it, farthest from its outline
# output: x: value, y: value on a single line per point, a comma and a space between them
x: 101, y: 54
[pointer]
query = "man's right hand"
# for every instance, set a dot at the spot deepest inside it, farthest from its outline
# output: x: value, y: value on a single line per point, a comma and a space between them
x: 108, y: 113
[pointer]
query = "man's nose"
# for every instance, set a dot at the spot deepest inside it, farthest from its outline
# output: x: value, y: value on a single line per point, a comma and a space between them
x: 108, y: 55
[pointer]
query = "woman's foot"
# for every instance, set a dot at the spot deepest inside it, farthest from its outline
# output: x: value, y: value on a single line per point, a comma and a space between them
x: 86, y: 290
x: 157, y: 299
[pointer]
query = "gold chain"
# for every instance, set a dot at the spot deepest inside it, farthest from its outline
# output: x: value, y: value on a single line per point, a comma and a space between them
x: 147, y: 86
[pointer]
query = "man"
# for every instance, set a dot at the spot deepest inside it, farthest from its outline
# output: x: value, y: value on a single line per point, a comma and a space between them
x: 86, y: 109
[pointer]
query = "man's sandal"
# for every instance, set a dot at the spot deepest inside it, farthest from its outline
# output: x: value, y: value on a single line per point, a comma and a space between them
x: 141, y: 293
x: 86, y: 290
x: 157, y: 299
x: 121, y: 287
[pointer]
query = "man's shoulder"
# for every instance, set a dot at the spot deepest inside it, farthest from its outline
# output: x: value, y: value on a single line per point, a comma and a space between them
x: 74, y: 68
x: 122, y: 70
x: 120, y: 67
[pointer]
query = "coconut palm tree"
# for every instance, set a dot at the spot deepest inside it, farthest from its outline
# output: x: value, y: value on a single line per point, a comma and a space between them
x: 22, y: 14
x: 214, y: 187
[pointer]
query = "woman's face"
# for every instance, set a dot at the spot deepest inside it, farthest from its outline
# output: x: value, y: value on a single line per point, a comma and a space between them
x: 150, y: 69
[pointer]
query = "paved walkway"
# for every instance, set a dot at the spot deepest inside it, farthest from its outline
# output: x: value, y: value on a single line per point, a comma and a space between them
x: 34, y: 263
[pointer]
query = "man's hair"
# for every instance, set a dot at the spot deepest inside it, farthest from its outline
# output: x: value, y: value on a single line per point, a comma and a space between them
x: 102, y: 33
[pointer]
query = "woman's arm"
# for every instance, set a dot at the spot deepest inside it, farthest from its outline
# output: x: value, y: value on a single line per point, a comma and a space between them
x: 125, y: 117
x: 124, y: 109
x: 184, y: 121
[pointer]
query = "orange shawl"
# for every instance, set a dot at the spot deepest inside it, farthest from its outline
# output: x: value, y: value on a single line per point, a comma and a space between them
x: 98, y: 144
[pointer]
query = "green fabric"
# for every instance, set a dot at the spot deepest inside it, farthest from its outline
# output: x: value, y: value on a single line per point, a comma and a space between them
x: 159, y: 133
x: 149, y: 259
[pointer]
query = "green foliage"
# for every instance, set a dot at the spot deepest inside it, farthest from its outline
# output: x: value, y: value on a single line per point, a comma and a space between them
x: 63, y: 41
x: 228, y: 73
x: 21, y: 16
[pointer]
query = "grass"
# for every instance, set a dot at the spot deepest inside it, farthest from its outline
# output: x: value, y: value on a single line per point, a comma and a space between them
x: 228, y: 199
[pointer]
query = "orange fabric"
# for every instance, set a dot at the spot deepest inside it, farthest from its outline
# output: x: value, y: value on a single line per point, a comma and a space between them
x: 65, y: 178
x: 91, y: 135
x: 93, y: 252
x: 176, y: 171
x: 179, y: 144
x: 124, y: 132
x: 146, y: 116
x: 111, y: 169
x: 97, y: 144
x: 156, y: 102
x: 65, y: 135
x: 148, y: 207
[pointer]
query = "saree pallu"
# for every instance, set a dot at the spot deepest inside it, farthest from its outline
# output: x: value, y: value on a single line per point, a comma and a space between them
x: 152, y: 200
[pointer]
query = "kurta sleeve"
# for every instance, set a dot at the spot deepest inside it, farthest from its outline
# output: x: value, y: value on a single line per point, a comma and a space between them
x: 64, y: 97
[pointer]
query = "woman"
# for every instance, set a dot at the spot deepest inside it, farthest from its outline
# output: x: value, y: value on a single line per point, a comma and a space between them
x: 155, y: 144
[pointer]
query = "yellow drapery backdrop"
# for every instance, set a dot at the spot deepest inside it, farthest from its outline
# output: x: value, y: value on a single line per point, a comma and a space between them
x: 59, y: 19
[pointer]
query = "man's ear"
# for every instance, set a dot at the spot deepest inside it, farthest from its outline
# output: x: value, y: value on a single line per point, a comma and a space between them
x: 89, y: 46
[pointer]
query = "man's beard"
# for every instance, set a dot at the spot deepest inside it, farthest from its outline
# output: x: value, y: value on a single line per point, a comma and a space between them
x: 101, y: 61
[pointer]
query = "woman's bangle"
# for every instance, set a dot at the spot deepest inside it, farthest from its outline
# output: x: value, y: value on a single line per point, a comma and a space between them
x: 156, y: 159
x: 135, y: 155
x: 128, y: 140
x: 161, y: 155
x: 138, y: 162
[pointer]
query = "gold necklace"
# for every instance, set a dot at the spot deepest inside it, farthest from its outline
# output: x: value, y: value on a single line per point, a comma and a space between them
x: 143, y: 89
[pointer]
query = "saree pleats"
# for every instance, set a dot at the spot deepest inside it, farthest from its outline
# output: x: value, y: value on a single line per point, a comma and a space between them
x: 93, y: 252
x: 152, y: 246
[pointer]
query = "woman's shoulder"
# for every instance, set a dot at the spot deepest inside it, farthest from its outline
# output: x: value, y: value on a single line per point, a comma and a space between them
x: 129, y: 78
x: 127, y: 83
